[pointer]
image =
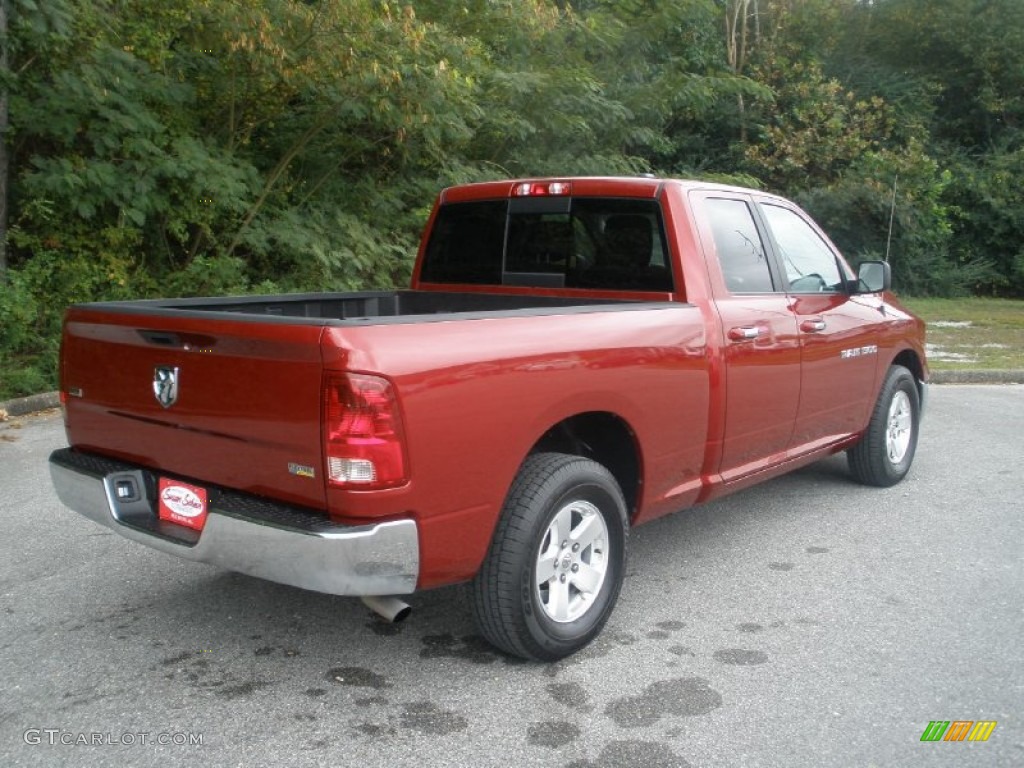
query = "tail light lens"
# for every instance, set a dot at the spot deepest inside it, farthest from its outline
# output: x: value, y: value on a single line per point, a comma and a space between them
x: 363, y: 439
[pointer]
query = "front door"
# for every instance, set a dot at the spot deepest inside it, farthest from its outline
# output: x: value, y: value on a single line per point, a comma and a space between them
x: 837, y: 331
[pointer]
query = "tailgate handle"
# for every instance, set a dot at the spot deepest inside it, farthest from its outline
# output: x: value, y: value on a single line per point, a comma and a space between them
x: 173, y: 340
x: 161, y: 338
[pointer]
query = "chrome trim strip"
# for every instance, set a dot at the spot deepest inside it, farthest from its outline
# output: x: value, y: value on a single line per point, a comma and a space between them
x: 381, y: 559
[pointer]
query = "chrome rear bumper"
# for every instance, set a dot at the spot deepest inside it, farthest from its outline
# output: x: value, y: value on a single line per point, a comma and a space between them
x: 247, y: 534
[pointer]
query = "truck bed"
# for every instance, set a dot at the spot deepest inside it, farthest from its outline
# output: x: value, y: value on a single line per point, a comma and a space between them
x: 374, y: 307
x: 249, y: 373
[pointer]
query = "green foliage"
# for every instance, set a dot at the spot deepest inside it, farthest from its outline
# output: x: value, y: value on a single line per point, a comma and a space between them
x: 970, y: 53
x: 32, y: 303
x: 988, y: 193
x: 814, y: 129
x: 856, y: 208
x: 187, y: 147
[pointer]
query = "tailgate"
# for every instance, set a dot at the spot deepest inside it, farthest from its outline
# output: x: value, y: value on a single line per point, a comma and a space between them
x: 229, y: 402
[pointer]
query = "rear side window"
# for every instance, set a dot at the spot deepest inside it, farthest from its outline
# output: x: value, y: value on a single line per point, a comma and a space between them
x: 598, y: 243
x: 740, y: 250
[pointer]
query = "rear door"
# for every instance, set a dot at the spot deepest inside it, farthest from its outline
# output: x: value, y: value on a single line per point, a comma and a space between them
x: 837, y: 332
x: 762, y: 354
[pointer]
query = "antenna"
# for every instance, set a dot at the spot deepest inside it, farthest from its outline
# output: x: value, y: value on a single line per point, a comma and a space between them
x: 892, y: 215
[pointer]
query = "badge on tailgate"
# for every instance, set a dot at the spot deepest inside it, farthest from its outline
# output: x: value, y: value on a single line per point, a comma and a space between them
x: 182, y: 503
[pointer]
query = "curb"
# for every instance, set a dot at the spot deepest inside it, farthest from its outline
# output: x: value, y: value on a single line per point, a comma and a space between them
x: 25, y: 405
x: 977, y: 377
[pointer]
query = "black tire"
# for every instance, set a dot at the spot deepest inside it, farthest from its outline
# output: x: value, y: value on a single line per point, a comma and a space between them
x: 880, y: 458
x: 515, y: 614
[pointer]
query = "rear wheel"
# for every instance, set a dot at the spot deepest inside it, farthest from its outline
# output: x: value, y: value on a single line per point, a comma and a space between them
x: 885, y: 452
x: 555, y: 567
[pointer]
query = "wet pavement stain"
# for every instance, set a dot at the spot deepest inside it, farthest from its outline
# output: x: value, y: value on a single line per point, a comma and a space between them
x: 658, y: 634
x: 649, y: 754
x: 369, y: 701
x: 80, y: 700
x: 571, y: 695
x: 427, y: 717
x: 177, y: 658
x: 371, y: 729
x: 268, y: 650
x: 556, y: 668
x: 749, y: 627
x: 471, y: 648
x: 553, y: 734
x: 740, y: 657
x: 607, y: 642
x: 304, y: 717
x: 817, y: 550
x: 383, y: 628
x: 244, y: 690
x: 781, y: 566
x: 671, y: 625
x: 679, y: 697
x: 682, y: 650
x: 315, y: 693
x: 357, y: 677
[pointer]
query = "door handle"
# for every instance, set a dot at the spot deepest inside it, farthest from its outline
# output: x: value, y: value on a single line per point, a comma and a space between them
x: 817, y: 325
x: 745, y: 333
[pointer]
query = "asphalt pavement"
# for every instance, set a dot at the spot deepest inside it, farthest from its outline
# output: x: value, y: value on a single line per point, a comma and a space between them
x: 806, y: 622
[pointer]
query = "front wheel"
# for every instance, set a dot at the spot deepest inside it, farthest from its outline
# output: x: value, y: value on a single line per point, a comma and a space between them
x: 885, y: 452
x: 555, y: 567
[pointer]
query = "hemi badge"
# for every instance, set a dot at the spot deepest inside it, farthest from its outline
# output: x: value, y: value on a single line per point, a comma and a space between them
x: 301, y: 470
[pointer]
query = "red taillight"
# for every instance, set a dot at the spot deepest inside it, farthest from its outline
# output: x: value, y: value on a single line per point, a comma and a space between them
x: 541, y: 188
x: 363, y: 440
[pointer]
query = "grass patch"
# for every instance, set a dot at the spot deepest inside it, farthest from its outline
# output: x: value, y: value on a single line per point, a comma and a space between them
x: 972, y: 333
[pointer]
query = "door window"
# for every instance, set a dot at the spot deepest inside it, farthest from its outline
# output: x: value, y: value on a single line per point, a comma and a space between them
x: 810, y: 265
x: 740, y: 250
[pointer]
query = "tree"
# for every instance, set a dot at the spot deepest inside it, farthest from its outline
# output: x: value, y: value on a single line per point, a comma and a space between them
x: 5, y: 72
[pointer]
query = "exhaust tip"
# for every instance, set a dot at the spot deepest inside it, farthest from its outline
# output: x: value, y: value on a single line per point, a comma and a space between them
x: 391, y: 609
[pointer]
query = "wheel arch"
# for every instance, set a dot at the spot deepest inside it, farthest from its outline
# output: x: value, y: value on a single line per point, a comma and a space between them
x: 606, y: 438
x: 910, y: 360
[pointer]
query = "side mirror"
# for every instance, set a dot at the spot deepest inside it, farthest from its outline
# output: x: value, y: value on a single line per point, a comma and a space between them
x: 874, y: 277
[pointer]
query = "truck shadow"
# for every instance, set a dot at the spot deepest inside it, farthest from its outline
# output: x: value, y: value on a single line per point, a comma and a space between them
x: 238, y: 611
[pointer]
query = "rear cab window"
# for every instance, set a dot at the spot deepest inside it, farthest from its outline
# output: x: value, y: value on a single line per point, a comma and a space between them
x: 592, y: 243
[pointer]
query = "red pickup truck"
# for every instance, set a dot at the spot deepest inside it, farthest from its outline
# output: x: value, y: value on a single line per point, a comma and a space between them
x: 575, y: 357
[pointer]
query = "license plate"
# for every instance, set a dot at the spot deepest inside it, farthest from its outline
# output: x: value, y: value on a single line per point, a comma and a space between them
x: 182, y: 503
